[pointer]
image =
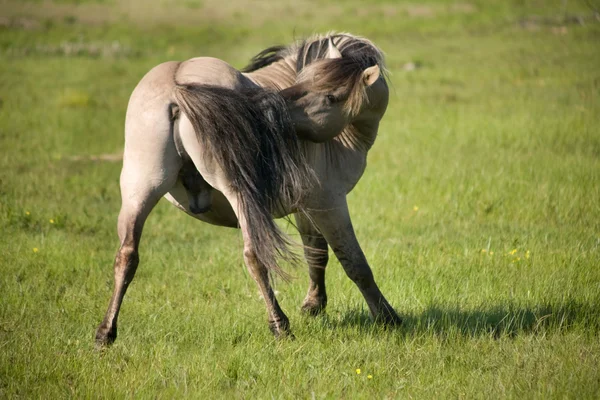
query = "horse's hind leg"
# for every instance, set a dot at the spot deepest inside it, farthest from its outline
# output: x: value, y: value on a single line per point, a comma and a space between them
x: 139, y: 197
x: 131, y: 222
x: 317, y: 256
x: 216, y: 178
x: 278, y: 321
x: 336, y: 227
x: 150, y: 168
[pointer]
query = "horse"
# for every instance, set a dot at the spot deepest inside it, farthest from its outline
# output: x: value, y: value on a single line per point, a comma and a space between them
x: 335, y: 94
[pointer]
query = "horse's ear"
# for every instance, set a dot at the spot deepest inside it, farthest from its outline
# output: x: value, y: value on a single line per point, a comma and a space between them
x: 332, y: 51
x: 371, y: 74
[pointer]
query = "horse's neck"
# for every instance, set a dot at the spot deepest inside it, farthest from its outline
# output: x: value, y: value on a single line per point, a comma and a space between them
x: 359, y: 136
x: 340, y: 162
x: 279, y: 75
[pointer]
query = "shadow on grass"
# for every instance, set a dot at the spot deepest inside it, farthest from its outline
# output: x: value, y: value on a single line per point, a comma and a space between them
x: 496, y: 321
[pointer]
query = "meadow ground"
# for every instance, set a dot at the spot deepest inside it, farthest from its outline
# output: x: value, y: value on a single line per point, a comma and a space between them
x: 479, y: 210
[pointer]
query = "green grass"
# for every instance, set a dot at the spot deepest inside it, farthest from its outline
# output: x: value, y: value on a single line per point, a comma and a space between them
x: 492, y: 143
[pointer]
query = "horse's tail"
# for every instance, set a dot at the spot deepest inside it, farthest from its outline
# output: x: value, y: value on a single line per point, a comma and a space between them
x: 250, y: 135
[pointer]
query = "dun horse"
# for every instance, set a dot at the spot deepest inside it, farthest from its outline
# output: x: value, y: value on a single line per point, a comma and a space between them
x: 192, y: 134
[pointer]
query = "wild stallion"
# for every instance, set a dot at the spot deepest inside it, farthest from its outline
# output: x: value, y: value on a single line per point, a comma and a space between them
x: 205, y: 136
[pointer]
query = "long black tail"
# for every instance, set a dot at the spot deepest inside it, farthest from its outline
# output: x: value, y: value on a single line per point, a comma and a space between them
x: 251, y: 136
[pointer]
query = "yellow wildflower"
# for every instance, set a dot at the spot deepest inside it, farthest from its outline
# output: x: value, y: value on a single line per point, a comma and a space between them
x: 27, y: 213
x: 357, y: 371
x: 483, y: 250
x: 51, y: 221
x: 491, y: 253
x: 513, y: 252
x: 415, y: 208
x: 35, y: 249
x: 369, y: 376
x: 527, y: 254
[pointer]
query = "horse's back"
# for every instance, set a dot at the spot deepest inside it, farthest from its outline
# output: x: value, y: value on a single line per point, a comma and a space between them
x: 210, y: 71
x: 156, y: 87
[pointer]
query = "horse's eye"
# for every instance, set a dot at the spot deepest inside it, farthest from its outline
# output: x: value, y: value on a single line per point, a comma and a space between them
x: 330, y: 98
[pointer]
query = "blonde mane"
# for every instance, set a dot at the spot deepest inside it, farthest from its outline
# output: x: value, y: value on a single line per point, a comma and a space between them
x: 303, y: 52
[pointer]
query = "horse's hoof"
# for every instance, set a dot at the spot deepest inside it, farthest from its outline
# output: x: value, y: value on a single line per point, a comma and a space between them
x: 287, y: 335
x: 313, y: 306
x: 389, y: 318
x: 281, y: 329
x: 105, y: 337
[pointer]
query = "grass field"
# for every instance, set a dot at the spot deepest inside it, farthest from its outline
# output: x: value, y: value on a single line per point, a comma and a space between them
x: 479, y: 211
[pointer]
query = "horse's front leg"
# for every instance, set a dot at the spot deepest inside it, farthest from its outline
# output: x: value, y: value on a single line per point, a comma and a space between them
x: 336, y: 227
x: 317, y: 256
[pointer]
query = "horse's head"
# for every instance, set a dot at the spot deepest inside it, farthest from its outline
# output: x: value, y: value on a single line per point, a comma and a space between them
x: 330, y: 94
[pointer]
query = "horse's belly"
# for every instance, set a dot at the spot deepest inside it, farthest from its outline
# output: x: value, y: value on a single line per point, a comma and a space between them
x: 220, y: 212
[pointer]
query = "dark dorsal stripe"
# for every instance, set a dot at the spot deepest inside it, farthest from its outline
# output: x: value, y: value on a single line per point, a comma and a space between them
x: 266, y: 57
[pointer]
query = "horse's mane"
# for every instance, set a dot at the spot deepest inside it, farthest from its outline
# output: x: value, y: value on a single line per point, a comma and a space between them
x: 316, y: 47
